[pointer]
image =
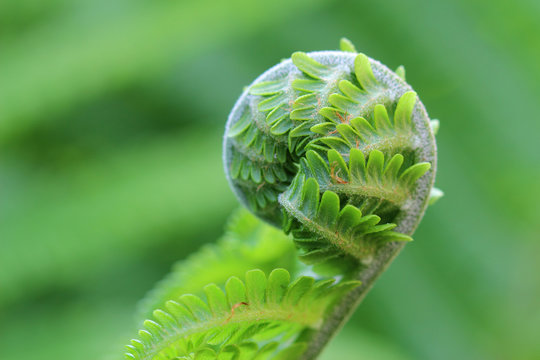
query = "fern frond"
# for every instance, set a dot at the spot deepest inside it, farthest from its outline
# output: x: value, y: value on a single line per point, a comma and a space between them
x: 333, y: 105
x: 248, y: 243
x: 390, y: 134
x: 330, y: 232
x: 340, y: 233
x: 381, y: 178
x: 264, y: 149
x: 322, y: 104
x: 319, y: 93
x: 259, y: 160
x: 248, y: 319
x: 340, y: 151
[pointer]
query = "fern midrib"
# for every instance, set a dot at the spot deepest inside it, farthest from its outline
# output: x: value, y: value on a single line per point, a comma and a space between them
x: 393, y: 144
x: 397, y: 195
x: 347, y: 246
x: 304, y: 318
x: 365, y: 109
x: 388, y: 144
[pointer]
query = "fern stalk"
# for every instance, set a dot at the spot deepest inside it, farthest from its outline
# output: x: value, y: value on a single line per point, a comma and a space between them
x: 343, y: 310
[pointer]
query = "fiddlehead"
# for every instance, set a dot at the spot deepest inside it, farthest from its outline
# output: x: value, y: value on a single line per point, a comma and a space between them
x: 336, y: 148
x: 339, y: 152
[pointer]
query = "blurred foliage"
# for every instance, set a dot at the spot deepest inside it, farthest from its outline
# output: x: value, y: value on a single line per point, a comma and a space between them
x: 103, y: 105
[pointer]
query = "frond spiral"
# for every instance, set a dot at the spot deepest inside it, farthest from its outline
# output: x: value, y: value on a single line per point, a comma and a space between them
x: 335, y: 148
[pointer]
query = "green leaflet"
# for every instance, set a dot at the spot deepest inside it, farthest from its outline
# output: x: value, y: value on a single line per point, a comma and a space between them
x: 309, y: 66
x: 400, y: 71
x: 247, y: 244
x: 346, y: 45
x: 364, y: 73
x: 246, y: 321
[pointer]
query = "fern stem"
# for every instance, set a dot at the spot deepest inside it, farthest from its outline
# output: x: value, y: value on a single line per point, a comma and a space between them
x: 343, y: 310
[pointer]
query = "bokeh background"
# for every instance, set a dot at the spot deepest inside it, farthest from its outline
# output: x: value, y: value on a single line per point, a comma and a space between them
x: 111, y: 118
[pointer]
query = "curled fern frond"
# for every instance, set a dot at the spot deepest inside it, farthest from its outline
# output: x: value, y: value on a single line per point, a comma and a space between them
x: 249, y: 320
x: 342, y: 235
x: 338, y: 149
x: 248, y: 243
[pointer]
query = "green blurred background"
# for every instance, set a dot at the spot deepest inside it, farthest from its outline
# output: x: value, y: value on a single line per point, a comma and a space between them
x: 111, y: 118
